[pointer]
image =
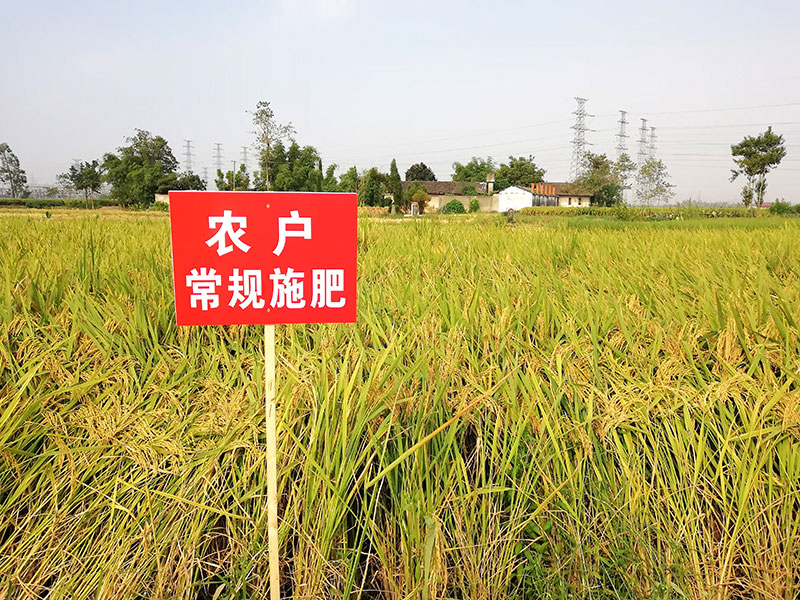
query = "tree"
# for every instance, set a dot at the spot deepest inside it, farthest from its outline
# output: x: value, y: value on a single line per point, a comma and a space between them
x: 136, y: 172
x: 624, y: 168
x: 653, y: 186
x: 395, y: 185
x: 329, y: 184
x: 11, y: 174
x: 268, y: 131
x: 349, y: 181
x: 180, y: 181
x: 227, y: 182
x: 416, y: 193
x: 475, y: 170
x: 754, y: 158
x: 86, y: 177
x: 454, y: 207
x: 420, y: 172
x: 519, y: 171
x: 295, y: 169
x: 372, y: 188
x: 608, y: 195
x: 603, y: 179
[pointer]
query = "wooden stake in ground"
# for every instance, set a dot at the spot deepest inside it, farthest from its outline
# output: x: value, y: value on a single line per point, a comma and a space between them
x: 272, y: 462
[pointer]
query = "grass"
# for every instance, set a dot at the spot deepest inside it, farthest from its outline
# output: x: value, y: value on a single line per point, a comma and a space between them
x: 562, y: 409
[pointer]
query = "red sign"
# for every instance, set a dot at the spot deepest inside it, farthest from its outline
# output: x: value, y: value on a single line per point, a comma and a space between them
x: 250, y: 258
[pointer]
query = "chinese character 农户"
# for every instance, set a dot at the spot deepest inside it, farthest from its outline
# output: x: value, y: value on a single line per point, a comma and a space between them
x: 225, y: 224
x: 283, y: 233
x: 287, y: 289
x: 246, y: 288
x: 324, y: 283
x: 204, y: 286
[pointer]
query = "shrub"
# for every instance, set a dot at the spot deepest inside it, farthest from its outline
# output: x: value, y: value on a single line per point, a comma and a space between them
x: 161, y: 206
x: 474, y: 205
x: 454, y: 207
x: 468, y: 190
x: 780, y: 208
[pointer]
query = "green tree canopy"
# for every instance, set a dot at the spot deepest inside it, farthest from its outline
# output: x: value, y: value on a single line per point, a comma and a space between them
x: 86, y: 177
x: 329, y: 184
x: 227, y: 182
x: 652, y: 183
x: 420, y: 172
x: 297, y: 168
x: 519, y: 171
x: 394, y: 184
x: 180, y: 181
x: 475, y: 170
x: 11, y: 174
x: 136, y: 171
x: 603, y: 179
x: 372, y: 188
x: 608, y: 195
x: 754, y: 158
x: 349, y: 181
x: 268, y: 132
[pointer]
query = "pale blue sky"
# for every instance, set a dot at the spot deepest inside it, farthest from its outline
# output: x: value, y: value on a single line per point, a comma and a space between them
x: 431, y: 81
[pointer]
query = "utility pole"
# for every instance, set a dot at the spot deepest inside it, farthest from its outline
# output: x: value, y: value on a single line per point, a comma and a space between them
x: 187, y: 156
x: 622, y: 136
x: 579, y: 143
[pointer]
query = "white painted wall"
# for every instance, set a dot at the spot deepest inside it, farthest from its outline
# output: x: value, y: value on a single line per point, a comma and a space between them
x: 573, y: 201
x: 513, y: 197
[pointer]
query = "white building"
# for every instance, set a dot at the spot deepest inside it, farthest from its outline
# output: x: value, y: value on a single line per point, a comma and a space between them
x: 513, y: 198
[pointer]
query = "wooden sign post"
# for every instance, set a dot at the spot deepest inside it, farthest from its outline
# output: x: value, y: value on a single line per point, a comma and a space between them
x: 253, y: 258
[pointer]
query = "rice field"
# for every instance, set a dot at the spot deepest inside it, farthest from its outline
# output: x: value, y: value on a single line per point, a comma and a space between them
x: 561, y: 409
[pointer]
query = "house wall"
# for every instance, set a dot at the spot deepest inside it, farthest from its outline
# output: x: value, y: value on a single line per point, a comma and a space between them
x: 486, y: 203
x: 574, y: 200
x: 514, y: 198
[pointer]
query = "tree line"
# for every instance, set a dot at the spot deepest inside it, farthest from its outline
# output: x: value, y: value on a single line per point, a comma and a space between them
x: 145, y: 166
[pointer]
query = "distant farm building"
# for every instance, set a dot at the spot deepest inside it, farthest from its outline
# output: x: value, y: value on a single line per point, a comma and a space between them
x: 557, y: 194
x: 513, y: 198
x: 442, y: 192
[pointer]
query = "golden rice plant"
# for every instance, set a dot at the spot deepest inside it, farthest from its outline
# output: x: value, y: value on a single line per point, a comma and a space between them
x: 561, y: 409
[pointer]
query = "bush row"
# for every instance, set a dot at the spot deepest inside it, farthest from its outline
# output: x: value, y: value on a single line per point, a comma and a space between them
x: 641, y: 213
x: 54, y: 202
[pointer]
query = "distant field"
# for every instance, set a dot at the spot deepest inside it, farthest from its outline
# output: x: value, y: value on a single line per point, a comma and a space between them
x: 612, y: 410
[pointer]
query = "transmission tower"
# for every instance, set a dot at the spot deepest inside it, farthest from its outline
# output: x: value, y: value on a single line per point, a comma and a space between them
x: 244, y: 158
x: 187, y: 156
x: 218, y: 156
x: 579, y: 142
x: 205, y: 174
x: 622, y: 136
x: 652, y: 145
x: 644, y: 149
